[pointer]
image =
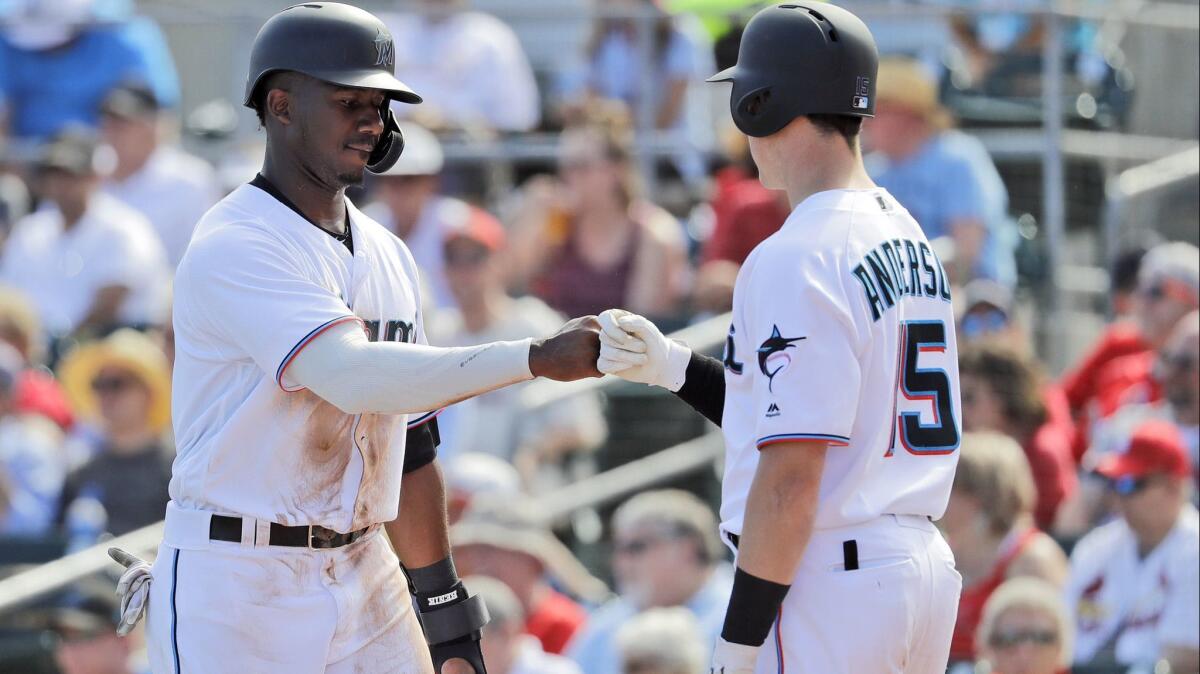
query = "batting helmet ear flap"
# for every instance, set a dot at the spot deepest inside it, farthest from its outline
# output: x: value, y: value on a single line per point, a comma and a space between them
x: 390, y: 145
x: 754, y: 114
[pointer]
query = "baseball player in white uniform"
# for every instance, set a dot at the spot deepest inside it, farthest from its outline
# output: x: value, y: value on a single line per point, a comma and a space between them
x: 302, y: 397
x: 838, y: 392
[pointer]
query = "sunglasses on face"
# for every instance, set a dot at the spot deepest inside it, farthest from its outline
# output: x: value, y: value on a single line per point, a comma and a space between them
x: 466, y: 259
x: 636, y: 547
x: 1128, y: 485
x: 111, y: 384
x: 984, y: 323
x: 1015, y: 638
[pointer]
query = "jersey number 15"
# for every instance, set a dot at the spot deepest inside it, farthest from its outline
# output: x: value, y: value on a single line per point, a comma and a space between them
x: 915, y: 384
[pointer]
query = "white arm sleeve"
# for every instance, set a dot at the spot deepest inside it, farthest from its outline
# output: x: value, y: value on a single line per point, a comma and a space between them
x: 358, y: 376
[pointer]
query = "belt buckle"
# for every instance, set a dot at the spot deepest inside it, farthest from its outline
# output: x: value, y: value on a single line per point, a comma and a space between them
x: 321, y: 535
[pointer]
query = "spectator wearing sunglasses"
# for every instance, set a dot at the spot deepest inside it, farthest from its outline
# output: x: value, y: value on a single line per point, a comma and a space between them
x: 122, y: 386
x: 1134, y: 584
x: 990, y: 528
x: 1004, y: 390
x: 1024, y: 630
x: 545, y: 443
x: 666, y: 553
x: 1177, y: 370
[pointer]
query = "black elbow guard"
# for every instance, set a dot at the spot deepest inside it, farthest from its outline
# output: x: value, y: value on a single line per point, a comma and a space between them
x: 420, y: 447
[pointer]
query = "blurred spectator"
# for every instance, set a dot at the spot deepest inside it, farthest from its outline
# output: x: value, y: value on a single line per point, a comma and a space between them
x: 507, y: 649
x: 468, y: 66
x: 662, y: 641
x: 32, y: 465
x: 37, y: 391
x: 85, y: 619
x: 1123, y: 280
x: 989, y: 526
x: 121, y: 383
x: 496, y: 423
x: 666, y: 552
x: 85, y: 260
x: 57, y: 62
x: 1025, y: 630
x: 472, y: 476
x: 591, y: 242
x: 167, y: 185
x: 1004, y: 391
x: 407, y: 203
x: 1134, y: 585
x: 673, y: 80
x: 745, y: 213
x: 988, y: 314
x: 505, y: 540
x: 945, y: 178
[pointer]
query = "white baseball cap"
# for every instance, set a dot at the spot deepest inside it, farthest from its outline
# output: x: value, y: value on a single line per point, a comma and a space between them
x: 422, y: 153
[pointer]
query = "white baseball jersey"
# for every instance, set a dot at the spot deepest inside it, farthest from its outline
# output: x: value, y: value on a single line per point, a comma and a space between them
x: 257, y: 283
x: 843, y: 332
x: 1143, y: 604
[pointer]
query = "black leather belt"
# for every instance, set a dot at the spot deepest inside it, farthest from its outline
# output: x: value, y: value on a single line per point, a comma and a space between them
x: 849, y: 550
x: 226, y: 528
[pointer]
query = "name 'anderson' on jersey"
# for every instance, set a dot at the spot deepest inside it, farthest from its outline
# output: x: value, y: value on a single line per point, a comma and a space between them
x: 843, y: 332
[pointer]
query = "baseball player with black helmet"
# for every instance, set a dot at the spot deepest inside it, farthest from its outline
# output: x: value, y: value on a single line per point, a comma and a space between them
x: 305, y: 397
x: 838, y: 392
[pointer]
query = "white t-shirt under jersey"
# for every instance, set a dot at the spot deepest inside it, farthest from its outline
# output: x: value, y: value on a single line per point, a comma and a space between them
x: 843, y: 332
x: 257, y: 283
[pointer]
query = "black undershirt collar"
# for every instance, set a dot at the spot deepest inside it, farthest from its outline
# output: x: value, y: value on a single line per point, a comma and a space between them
x: 267, y: 186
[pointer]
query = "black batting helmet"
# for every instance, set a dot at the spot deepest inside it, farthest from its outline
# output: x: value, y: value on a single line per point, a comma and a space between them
x: 341, y: 45
x: 801, y: 58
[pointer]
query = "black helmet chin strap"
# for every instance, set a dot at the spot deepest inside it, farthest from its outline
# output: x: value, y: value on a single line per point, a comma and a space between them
x: 390, y: 145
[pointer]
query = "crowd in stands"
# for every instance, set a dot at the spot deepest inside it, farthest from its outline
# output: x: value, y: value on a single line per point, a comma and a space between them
x: 1073, y: 514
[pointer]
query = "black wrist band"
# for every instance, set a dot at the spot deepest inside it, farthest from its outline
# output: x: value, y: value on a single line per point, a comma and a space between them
x: 753, y: 606
x: 437, y: 577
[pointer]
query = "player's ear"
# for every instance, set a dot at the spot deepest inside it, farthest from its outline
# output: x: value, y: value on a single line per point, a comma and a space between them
x: 278, y: 103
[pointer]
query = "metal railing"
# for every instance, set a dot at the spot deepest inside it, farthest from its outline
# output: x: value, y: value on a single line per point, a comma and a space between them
x: 662, y: 466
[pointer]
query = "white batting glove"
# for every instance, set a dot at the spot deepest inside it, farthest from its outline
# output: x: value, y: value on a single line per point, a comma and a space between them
x: 730, y: 658
x: 634, y: 349
x: 133, y: 588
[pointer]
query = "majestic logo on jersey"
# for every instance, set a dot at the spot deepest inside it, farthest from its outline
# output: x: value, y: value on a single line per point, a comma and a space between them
x: 385, y: 51
x: 773, y: 410
x: 897, y: 268
x: 773, y: 357
x: 730, y: 361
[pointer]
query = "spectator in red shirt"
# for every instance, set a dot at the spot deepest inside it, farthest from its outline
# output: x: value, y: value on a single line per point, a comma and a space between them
x: 1003, y: 390
x: 989, y: 525
x: 36, y: 391
x: 504, y: 540
x: 745, y: 214
x: 1118, y: 370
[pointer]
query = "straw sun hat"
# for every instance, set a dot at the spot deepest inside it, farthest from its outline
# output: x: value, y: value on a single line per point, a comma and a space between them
x: 904, y: 83
x: 125, y: 349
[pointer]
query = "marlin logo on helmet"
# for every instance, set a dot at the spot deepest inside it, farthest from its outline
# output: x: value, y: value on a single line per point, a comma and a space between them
x: 385, y: 51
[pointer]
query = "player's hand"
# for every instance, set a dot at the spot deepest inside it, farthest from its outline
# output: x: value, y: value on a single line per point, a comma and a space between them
x: 458, y: 666
x: 634, y: 349
x: 133, y: 588
x: 570, y: 354
x: 730, y: 658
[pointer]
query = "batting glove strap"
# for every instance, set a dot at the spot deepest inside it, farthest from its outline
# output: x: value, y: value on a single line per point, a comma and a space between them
x: 456, y: 617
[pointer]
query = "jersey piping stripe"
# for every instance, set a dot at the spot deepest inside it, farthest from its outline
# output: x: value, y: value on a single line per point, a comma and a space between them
x: 779, y: 638
x: 838, y: 440
x: 425, y: 418
x: 316, y: 332
x: 174, y: 611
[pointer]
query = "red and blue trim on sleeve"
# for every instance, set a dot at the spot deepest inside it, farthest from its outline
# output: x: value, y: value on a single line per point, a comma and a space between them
x: 836, y: 440
x: 316, y: 332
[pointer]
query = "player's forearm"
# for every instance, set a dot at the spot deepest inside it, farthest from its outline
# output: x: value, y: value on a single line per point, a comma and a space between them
x: 358, y: 376
x: 419, y: 533
x: 1182, y: 658
x: 780, y: 510
x: 704, y: 387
